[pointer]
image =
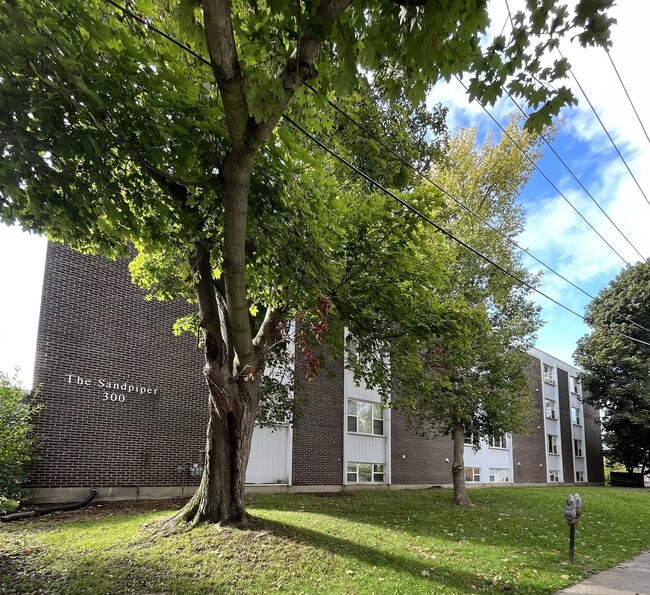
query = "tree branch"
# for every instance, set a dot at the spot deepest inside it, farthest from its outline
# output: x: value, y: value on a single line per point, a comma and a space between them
x: 225, y: 65
x: 300, y: 66
x: 209, y: 318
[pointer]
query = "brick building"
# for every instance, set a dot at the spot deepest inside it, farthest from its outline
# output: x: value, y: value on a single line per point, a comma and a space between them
x: 124, y: 409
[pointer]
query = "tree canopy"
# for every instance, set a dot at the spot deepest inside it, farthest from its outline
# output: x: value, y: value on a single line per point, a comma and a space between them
x: 479, y: 388
x: 615, y: 358
x: 157, y: 124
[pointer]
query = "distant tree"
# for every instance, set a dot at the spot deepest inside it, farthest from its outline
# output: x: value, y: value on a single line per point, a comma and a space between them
x: 16, y: 440
x: 616, y: 368
x: 479, y: 389
x: 111, y: 136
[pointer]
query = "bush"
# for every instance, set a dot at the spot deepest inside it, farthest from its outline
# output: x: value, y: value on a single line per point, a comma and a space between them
x: 16, y: 439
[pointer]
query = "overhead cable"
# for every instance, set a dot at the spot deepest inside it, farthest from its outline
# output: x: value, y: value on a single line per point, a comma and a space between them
x: 424, y: 176
x: 441, y: 229
x: 609, y: 136
x: 380, y: 186
x: 516, y: 144
x: 566, y: 166
x: 636, y: 113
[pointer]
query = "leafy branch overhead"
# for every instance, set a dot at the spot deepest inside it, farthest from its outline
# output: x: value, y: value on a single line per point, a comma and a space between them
x: 157, y: 125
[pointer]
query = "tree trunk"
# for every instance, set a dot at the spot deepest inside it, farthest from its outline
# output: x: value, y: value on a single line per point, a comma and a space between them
x: 458, y: 468
x: 220, y: 495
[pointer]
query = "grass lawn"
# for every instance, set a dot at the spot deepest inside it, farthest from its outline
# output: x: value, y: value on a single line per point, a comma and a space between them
x: 515, y: 541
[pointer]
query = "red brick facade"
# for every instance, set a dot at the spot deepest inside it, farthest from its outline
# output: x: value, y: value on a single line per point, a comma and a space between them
x: 318, y: 433
x: 416, y: 459
x: 96, y: 328
x: 529, y: 450
x: 125, y: 402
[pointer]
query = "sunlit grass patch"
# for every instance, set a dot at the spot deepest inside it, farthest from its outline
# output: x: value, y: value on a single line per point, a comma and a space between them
x: 515, y: 540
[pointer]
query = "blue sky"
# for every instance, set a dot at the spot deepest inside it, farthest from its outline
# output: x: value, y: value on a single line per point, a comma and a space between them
x: 554, y: 233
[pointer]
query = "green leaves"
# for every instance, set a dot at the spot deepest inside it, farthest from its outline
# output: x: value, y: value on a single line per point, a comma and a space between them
x: 16, y: 440
x: 616, y: 375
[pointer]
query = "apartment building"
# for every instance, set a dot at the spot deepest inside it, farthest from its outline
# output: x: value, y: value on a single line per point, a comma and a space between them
x: 124, y: 409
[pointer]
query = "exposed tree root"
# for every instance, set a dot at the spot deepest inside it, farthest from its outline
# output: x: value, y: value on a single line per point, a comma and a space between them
x: 463, y: 501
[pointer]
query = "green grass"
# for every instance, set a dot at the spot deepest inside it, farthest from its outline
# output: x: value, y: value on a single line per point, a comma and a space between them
x: 514, y: 541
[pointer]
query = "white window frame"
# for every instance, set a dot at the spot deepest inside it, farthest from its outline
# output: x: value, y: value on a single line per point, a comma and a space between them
x: 499, y: 475
x: 551, y: 444
x: 474, y: 474
x: 548, y: 374
x: 575, y: 416
x: 553, y: 475
x: 377, y: 472
x: 577, y: 447
x: 376, y: 415
x: 551, y: 409
x: 498, y: 442
x: 573, y: 384
x: 580, y: 476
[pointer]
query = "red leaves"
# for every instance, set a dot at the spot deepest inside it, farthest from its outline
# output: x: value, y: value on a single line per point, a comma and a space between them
x: 318, y: 329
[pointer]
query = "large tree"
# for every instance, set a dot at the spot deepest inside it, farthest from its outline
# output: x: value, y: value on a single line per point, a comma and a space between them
x: 112, y: 135
x: 615, y: 358
x: 479, y: 389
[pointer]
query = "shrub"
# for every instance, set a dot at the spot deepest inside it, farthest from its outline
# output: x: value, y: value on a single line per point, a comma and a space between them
x: 16, y: 439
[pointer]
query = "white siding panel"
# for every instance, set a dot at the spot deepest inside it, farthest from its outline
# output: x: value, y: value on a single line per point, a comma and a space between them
x: 360, y: 392
x: 269, y: 462
x: 366, y: 449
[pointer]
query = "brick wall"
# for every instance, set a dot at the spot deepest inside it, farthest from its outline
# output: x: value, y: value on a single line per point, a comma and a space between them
x: 416, y: 459
x: 95, y: 326
x: 565, y: 425
x: 529, y: 450
x: 593, y: 445
x: 318, y: 433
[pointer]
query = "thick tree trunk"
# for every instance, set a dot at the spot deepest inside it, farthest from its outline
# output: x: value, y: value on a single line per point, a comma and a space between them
x: 458, y: 468
x: 220, y: 495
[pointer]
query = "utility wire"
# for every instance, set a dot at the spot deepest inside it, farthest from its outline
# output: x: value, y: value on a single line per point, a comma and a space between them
x: 516, y: 144
x: 609, y: 136
x: 424, y: 176
x: 442, y: 229
x: 512, y: 24
x: 563, y: 162
x: 377, y: 184
x: 611, y: 60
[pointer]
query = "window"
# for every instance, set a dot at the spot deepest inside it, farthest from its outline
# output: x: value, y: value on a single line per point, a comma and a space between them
x: 365, y: 418
x: 575, y: 416
x: 573, y: 384
x: 472, y: 474
x: 577, y: 448
x: 548, y: 374
x: 470, y: 440
x: 498, y: 442
x: 552, y: 444
x: 553, y: 475
x: 365, y: 473
x: 550, y: 409
x: 498, y: 475
x: 580, y: 476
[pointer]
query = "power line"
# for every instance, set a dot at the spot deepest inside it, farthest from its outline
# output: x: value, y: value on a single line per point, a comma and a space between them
x: 560, y: 159
x: 378, y: 185
x: 611, y: 60
x: 563, y: 162
x: 442, y: 229
x: 516, y: 144
x: 424, y: 176
x: 609, y: 136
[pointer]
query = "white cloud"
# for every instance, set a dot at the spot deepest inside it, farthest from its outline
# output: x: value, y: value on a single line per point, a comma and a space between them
x: 554, y: 232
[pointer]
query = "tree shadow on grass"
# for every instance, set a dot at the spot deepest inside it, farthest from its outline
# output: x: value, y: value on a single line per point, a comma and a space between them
x: 428, y: 572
